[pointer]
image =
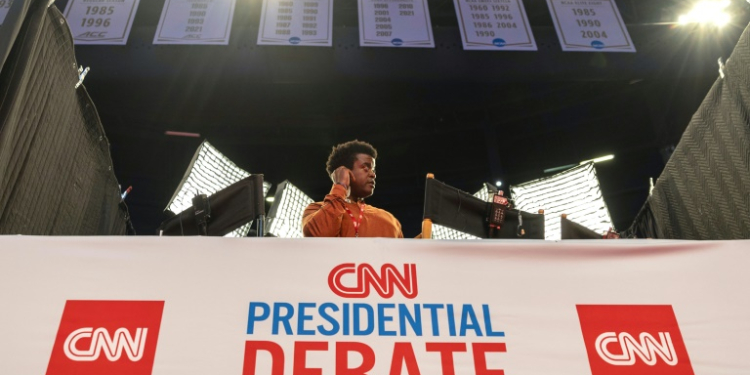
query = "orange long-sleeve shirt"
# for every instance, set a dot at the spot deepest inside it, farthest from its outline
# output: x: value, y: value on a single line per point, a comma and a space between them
x: 330, y: 219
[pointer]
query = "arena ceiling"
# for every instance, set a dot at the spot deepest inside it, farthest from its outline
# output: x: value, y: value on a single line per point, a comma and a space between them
x: 466, y: 116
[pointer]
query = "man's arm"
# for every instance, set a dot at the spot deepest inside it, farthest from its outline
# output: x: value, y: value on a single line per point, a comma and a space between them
x: 325, y: 220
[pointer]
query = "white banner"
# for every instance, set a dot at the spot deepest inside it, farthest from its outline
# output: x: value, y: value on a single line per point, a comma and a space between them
x: 100, y: 21
x: 395, y: 23
x: 4, y: 7
x: 372, y: 306
x: 590, y: 26
x: 300, y: 22
x: 494, y: 25
x: 195, y: 22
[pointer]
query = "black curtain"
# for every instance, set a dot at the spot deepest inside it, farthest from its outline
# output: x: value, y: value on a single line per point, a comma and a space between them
x: 704, y: 191
x: 56, y: 174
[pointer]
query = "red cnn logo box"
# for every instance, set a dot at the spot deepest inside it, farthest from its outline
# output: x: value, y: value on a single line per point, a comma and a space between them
x: 633, y: 340
x: 106, y: 337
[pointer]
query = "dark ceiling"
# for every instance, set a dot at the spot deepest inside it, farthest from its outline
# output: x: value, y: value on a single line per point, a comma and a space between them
x: 466, y: 116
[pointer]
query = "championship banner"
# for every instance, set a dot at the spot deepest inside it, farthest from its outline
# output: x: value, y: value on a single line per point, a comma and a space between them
x: 195, y: 22
x: 101, y: 21
x: 269, y: 306
x: 4, y: 7
x: 395, y: 23
x: 590, y: 26
x: 300, y: 23
x: 494, y: 25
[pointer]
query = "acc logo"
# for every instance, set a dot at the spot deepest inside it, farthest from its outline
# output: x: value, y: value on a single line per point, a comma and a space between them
x: 92, y: 34
x: 107, y: 337
x: 366, y: 276
x: 633, y: 340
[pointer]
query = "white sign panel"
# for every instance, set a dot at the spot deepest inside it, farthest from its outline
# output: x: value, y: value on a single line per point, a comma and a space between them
x: 4, y: 7
x: 590, y: 26
x: 101, y: 21
x: 296, y: 22
x: 494, y: 25
x: 271, y: 306
x: 395, y: 23
x: 195, y: 22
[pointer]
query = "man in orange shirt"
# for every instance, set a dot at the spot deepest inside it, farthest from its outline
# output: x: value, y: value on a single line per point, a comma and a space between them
x: 343, y: 212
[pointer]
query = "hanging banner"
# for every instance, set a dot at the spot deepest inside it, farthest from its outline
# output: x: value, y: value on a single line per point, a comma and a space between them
x: 494, y: 25
x: 4, y: 7
x: 270, y: 306
x: 395, y: 23
x: 590, y: 26
x: 100, y: 21
x: 195, y: 22
x: 296, y: 23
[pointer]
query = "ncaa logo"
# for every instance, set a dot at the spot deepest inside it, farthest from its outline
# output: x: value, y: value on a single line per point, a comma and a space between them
x: 364, y: 276
x: 633, y: 340
x: 106, y: 337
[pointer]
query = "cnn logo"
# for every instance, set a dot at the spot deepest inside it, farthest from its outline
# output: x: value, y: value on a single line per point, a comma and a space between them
x: 106, y: 337
x: 101, y: 341
x: 633, y: 340
x: 363, y: 277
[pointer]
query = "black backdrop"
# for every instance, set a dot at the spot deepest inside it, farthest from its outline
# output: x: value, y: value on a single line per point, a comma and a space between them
x: 56, y: 175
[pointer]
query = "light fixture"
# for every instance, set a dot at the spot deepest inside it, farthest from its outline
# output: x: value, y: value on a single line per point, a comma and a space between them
x: 498, y: 183
x: 574, y: 192
x: 209, y: 172
x: 285, y: 216
x: 568, y: 166
x: 707, y: 12
x: 598, y: 160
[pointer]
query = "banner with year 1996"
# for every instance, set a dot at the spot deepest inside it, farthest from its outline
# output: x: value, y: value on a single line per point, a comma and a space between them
x: 395, y: 23
x: 195, y: 22
x: 296, y: 22
x: 590, y: 26
x: 494, y: 25
x: 101, y: 21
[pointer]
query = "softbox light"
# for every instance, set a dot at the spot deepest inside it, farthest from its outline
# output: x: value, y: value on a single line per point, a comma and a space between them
x: 209, y: 172
x: 285, y: 216
x: 223, y: 212
x: 574, y: 192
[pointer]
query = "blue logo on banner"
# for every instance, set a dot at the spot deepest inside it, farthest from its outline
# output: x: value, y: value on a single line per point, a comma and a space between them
x: 597, y: 44
x: 397, y: 42
x: 294, y: 40
x: 498, y: 42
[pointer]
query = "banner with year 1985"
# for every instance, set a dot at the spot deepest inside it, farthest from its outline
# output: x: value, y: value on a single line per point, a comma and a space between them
x: 494, y: 25
x: 590, y: 26
x: 100, y: 21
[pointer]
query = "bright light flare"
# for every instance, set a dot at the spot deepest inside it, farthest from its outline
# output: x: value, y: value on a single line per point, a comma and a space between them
x: 707, y: 12
x: 599, y: 159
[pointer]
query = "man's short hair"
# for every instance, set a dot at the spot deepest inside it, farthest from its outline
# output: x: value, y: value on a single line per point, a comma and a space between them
x: 346, y: 153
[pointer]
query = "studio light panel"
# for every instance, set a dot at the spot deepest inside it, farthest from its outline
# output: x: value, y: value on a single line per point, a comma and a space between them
x: 574, y: 192
x: 209, y: 172
x: 285, y: 217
